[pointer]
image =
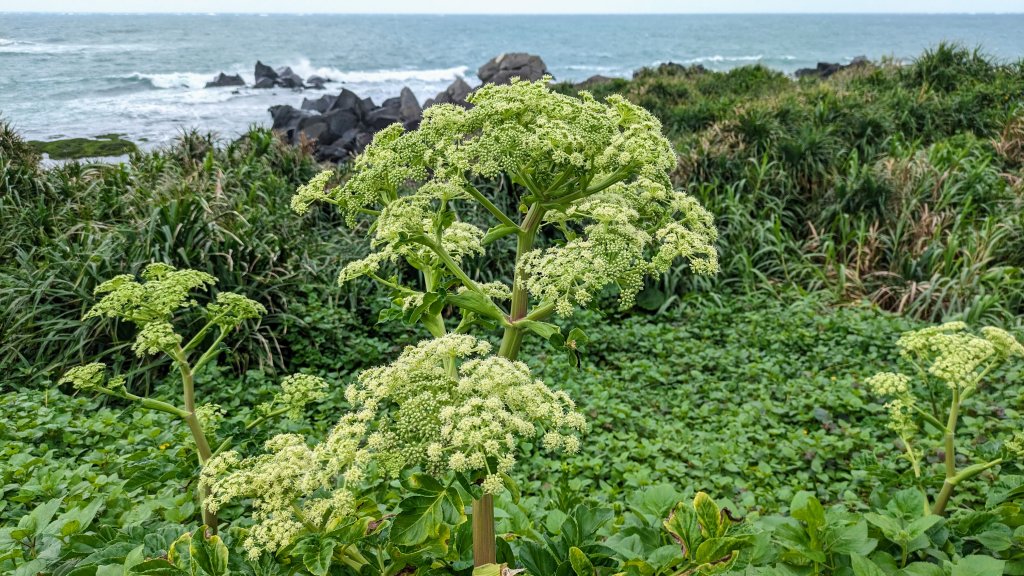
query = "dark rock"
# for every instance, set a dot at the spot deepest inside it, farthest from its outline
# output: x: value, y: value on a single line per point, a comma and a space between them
x: 382, y: 117
x: 362, y: 141
x: 288, y: 79
x: 828, y: 69
x: 266, y: 77
x: 346, y: 100
x: 340, y: 122
x: 287, y: 119
x: 366, y: 106
x: 670, y: 69
x: 311, y: 128
x: 502, y: 68
x: 409, y: 110
x: 456, y: 93
x: 321, y: 104
x: 332, y: 153
x: 316, y: 82
x: 595, y: 80
x: 223, y: 80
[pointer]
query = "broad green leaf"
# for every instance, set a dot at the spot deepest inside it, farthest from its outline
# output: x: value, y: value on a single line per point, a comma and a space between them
x: 922, y: 569
x: 317, y: 559
x: 889, y: 526
x: 478, y: 303
x: 709, y: 516
x: 209, y: 554
x: 978, y: 566
x: 918, y: 527
x: 419, y: 520
x: 155, y: 567
x: 581, y: 565
x: 682, y: 525
x: 864, y: 567
x: 806, y: 508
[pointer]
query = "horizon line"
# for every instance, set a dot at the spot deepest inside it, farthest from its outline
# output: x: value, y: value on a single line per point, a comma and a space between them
x: 695, y: 13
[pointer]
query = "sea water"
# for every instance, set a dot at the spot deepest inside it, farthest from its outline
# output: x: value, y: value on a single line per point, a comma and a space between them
x: 69, y: 75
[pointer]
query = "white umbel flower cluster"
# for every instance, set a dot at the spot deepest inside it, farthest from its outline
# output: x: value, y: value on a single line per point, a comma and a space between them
x: 598, y: 172
x: 446, y: 405
x: 292, y: 483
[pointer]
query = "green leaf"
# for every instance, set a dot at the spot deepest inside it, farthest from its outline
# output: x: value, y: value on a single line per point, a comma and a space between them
x: 889, y: 526
x: 209, y: 554
x: 682, y: 525
x: 918, y: 527
x: 317, y: 559
x: 806, y: 508
x: 922, y: 569
x: 478, y: 303
x: 155, y: 567
x: 543, y: 329
x: 978, y: 566
x: 581, y: 565
x: 709, y: 516
x: 498, y: 232
x: 511, y: 486
x: 864, y: 567
x: 423, y: 517
x: 487, y: 570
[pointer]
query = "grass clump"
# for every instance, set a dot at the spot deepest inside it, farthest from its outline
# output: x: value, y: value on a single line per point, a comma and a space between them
x: 105, y: 145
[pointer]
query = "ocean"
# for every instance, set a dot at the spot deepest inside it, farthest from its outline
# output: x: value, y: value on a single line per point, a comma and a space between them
x: 142, y: 75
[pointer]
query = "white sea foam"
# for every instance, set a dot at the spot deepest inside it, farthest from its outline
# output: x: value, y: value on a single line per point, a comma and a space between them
x: 25, y: 47
x: 174, y: 80
x: 719, y: 58
x: 306, y: 69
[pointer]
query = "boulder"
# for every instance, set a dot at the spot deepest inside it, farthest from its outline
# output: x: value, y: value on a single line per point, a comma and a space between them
x: 266, y: 77
x: 366, y: 106
x: 595, y: 80
x: 287, y: 119
x: 316, y: 82
x: 383, y: 117
x: 346, y: 100
x: 222, y: 80
x: 501, y: 69
x: 340, y: 122
x: 456, y: 93
x: 409, y: 111
x: 827, y: 69
x: 321, y: 104
x: 310, y: 128
x: 288, y: 79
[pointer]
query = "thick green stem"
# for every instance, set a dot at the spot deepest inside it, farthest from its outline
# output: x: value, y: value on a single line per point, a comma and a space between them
x: 484, y: 549
x: 949, y: 440
x: 194, y: 426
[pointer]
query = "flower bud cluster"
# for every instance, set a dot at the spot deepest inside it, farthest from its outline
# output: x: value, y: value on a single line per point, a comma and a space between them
x: 445, y: 415
x: 291, y: 484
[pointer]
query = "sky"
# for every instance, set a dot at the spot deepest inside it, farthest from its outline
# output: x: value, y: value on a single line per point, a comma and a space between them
x: 518, y: 6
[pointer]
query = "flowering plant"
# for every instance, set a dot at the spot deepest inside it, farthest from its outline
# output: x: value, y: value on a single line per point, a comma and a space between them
x: 596, y: 210
x: 153, y: 306
x: 948, y: 360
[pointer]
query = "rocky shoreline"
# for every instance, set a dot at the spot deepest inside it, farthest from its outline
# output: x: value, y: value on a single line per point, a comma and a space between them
x: 339, y: 126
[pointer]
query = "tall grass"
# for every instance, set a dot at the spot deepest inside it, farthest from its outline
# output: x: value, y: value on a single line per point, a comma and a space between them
x: 898, y: 184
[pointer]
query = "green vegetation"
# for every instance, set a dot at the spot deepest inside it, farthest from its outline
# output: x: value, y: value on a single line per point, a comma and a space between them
x: 798, y: 413
x: 104, y: 145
